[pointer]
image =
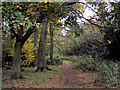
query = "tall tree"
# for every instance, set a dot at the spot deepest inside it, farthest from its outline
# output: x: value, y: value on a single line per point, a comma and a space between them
x: 51, y: 43
x: 20, y: 14
x: 17, y: 16
x: 41, y: 61
x: 51, y: 13
x: 36, y: 36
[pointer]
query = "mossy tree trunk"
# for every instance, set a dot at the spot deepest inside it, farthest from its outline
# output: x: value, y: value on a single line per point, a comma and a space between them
x: 51, y: 42
x: 20, y: 40
x: 16, y: 60
x: 41, y: 61
x: 35, y: 40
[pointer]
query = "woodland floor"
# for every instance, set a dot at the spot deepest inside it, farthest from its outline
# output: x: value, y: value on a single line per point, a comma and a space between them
x: 72, y: 78
x: 66, y: 78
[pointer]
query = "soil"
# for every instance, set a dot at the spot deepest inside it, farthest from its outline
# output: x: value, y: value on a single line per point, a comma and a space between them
x: 68, y: 78
x: 71, y: 78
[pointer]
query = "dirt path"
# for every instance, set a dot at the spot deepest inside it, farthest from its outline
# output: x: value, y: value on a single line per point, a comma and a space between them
x: 72, y: 78
x: 68, y: 77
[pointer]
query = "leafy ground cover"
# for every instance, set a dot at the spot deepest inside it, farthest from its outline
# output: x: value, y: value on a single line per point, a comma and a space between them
x: 62, y: 76
x: 31, y: 78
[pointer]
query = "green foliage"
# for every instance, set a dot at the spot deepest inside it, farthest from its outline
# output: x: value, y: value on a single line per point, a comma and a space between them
x: 109, y: 19
x: 57, y: 59
x: 63, y: 42
x: 7, y: 46
x: 90, y: 42
x: 28, y: 50
x: 57, y: 56
x: 55, y: 68
x: 21, y: 13
x: 68, y: 58
x: 27, y: 53
x: 85, y: 64
x: 67, y: 61
x: 109, y: 72
x: 30, y: 77
x: 74, y: 26
x: 73, y: 58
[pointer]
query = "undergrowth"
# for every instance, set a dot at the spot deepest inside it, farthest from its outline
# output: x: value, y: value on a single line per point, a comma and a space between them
x: 108, y: 70
x: 30, y: 77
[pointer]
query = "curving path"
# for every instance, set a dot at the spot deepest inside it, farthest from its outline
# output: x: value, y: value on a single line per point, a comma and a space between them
x: 71, y: 77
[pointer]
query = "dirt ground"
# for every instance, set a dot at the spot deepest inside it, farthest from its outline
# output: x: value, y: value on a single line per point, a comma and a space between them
x: 71, y: 78
x: 68, y: 77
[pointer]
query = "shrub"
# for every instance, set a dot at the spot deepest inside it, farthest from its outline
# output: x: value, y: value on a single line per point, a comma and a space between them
x: 73, y: 58
x: 109, y: 70
x: 7, y: 46
x: 90, y: 43
x: 56, y: 58
x: 85, y: 64
x: 27, y: 53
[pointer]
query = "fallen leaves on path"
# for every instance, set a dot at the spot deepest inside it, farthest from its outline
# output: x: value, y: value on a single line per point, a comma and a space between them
x: 68, y: 77
x: 71, y: 78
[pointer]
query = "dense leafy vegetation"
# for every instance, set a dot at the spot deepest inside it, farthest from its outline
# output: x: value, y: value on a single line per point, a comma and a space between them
x: 46, y: 35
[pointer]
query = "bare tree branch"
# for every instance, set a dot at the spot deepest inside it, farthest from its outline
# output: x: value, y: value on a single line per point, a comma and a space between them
x: 93, y: 23
x: 72, y: 3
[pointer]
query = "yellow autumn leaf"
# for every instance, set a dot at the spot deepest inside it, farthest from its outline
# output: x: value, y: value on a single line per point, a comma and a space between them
x: 109, y: 41
x: 14, y: 17
x: 55, y: 9
x: 17, y: 6
x: 11, y: 7
x: 50, y: 21
x: 69, y: 14
x: 27, y: 18
x: 27, y: 49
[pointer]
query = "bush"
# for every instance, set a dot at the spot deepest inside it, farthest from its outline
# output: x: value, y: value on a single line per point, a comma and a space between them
x: 27, y: 56
x: 88, y: 43
x: 56, y: 58
x: 113, y: 37
x: 72, y: 58
x: 106, y: 43
x: 85, y: 64
x: 7, y: 46
x: 109, y: 70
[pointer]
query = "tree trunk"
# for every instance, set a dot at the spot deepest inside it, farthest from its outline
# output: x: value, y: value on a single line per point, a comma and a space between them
x: 35, y: 41
x: 35, y: 45
x: 20, y: 40
x: 16, y: 60
x: 51, y: 46
x: 41, y: 61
